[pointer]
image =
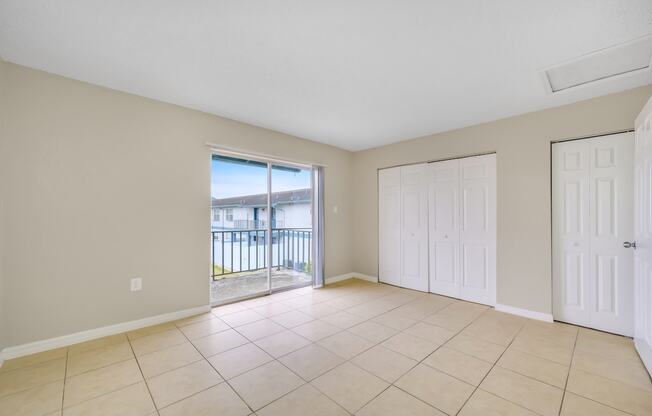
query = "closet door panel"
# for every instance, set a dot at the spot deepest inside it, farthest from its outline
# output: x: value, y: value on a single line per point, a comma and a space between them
x: 444, y: 235
x: 611, y: 189
x: 389, y: 226
x: 414, y: 227
x: 478, y: 229
x: 570, y: 223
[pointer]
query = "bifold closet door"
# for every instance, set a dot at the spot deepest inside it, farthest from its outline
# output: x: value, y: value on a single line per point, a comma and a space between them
x: 444, y: 223
x: 592, y: 192
x: 462, y: 212
x: 389, y: 226
x: 414, y: 227
x: 478, y: 229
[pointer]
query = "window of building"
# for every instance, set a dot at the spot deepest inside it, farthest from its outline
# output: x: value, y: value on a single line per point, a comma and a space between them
x: 229, y: 214
x: 216, y: 214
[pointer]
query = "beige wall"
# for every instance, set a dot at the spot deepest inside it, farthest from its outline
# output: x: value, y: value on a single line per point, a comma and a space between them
x: 522, y: 145
x: 3, y: 331
x: 98, y: 186
x: 102, y: 186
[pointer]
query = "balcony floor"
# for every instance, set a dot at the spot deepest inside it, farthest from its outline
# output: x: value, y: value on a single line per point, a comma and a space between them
x: 243, y: 284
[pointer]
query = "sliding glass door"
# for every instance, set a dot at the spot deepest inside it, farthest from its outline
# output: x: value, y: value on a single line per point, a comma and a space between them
x: 291, y: 226
x: 261, y: 227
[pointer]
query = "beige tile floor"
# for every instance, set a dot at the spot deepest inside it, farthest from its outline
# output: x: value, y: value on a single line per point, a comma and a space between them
x: 351, y: 348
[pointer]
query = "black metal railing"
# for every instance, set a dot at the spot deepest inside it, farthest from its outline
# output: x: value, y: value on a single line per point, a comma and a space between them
x: 236, y: 251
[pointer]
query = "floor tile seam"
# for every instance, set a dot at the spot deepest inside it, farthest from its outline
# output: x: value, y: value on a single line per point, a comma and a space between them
x: 173, y: 369
x: 333, y: 400
x: 600, y: 403
x: 629, y: 386
x: 151, y: 396
x: 114, y: 390
x: 509, y: 400
x: 520, y: 351
x: 4, y: 372
x: 415, y: 397
x: 197, y: 393
x: 277, y: 359
x: 62, y: 378
x: 303, y: 385
x: 65, y: 377
x: 161, y: 349
x: 422, y: 362
x: 218, y: 373
x: 492, y: 367
x: 98, y: 368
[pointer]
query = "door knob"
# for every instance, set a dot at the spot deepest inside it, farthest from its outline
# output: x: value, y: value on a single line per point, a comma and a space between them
x: 628, y: 244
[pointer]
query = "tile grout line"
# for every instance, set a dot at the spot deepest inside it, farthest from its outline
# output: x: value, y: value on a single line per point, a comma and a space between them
x: 289, y: 369
x: 142, y: 374
x: 65, y: 379
x: 305, y: 382
x: 491, y: 369
x: 570, y: 365
x: 371, y: 319
x: 421, y: 362
x: 216, y: 370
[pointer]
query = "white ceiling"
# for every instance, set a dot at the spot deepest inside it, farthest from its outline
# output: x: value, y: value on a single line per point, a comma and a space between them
x: 352, y: 73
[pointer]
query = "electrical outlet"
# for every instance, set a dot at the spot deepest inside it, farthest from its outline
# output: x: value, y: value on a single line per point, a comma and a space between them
x: 335, y: 209
x: 136, y: 284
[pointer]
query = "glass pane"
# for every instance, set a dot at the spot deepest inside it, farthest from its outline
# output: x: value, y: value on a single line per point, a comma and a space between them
x: 291, y: 227
x: 238, y: 229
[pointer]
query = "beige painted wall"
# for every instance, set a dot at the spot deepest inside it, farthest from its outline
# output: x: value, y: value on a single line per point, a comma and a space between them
x: 522, y: 144
x: 97, y: 186
x: 102, y: 186
x: 3, y: 331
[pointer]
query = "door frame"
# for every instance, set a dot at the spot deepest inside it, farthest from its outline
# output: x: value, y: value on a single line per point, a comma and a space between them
x: 552, y: 231
x: 270, y: 162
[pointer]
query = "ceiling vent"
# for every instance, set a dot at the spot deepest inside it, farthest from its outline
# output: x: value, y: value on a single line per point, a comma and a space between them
x: 606, y: 63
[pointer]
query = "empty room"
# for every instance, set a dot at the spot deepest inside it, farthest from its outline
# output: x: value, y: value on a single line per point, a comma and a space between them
x: 315, y: 208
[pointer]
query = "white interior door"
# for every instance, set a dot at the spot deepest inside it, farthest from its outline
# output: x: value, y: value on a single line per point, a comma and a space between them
x: 414, y: 227
x: 389, y: 225
x: 571, y: 237
x: 592, y: 216
x: 643, y: 235
x: 478, y: 229
x: 611, y: 190
x: 444, y: 214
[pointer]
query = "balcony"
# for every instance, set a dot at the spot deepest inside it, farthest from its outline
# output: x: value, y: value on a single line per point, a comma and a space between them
x: 240, y: 258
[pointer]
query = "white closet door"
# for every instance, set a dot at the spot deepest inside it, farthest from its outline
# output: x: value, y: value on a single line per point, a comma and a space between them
x: 478, y: 229
x: 389, y: 225
x: 592, y: 217
x: 611, y: 190
x: 443, y: 206
x: 571, y: 235
x: 414, y: 227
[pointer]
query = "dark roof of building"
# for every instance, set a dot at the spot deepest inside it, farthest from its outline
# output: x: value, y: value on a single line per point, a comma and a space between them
x: 260, y: 200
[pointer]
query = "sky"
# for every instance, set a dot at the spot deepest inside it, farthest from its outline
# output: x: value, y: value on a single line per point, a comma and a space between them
x: 232, y: 179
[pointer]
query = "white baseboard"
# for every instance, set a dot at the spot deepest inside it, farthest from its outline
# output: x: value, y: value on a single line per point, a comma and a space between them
x: 353, y: 275
x: 77, y: 337
x: 539, y: 316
